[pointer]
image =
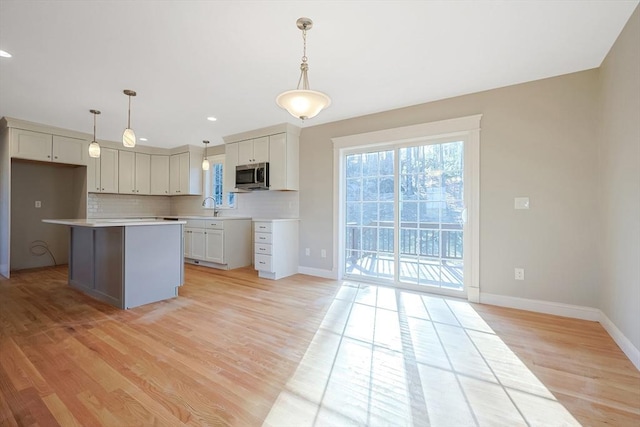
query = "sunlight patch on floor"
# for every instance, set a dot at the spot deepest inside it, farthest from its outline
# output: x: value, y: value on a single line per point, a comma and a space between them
x: 388, y: 357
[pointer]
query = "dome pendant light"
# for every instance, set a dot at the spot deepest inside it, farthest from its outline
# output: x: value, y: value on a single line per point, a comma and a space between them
x: 205, y: 161
x: 94, y: 147
x: 303, y: 103
x: 129, y: 136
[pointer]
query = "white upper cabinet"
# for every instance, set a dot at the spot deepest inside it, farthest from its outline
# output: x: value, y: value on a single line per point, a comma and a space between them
x: 26, y: 144
x: 283, y: 162
x: 159, y: 175
x: 93, y: 175
x: 185, y: 175
x: 253, y: 151
x: 108, y: 170
x: 70, y: 150
x: 134, y: 170
x: 230, y: 163
x: 143, y: 173
x: 278, y: 145
x: 126, y: 172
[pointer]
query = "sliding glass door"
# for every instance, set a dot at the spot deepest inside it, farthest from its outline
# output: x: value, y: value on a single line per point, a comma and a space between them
x: 404, y: 210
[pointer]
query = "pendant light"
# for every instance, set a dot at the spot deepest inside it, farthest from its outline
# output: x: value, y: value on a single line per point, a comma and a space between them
x: 205, y: 161
x: 129, y: 136
x: 303, y: 103
x: 94, y: 147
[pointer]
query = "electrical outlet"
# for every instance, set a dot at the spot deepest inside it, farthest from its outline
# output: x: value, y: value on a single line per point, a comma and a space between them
x: 38, y: 204
x: 307, y: 251
x: 323, y: 253
x: 519, y: 273
x: 521, y: 203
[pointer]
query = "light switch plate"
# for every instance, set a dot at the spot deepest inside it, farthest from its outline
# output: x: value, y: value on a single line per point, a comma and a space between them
x: 521, y: 203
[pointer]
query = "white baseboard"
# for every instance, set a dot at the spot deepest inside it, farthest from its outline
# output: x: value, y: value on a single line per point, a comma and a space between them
x: 623, y: 342
x: 568, y: 310
x: 539, y: 306
x: 318, y: 272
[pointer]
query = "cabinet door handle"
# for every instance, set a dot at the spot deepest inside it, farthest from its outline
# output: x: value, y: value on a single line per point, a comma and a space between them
x: 48, y: 157
x: 56, y: 157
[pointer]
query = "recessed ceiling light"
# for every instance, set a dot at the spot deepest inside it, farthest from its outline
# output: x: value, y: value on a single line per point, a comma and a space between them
x: 5, y: 54
x: 143, y: 139
x: 211, y: 119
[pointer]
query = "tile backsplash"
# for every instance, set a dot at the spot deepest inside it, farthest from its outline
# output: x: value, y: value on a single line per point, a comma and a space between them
x: 257, y: 204
x: 125, y: 205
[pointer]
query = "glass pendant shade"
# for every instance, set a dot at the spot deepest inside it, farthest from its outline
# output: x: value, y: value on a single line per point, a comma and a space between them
x: 129, y: 138
x: 303, y: 104
x: 94, y: 149
x: 205, y: 164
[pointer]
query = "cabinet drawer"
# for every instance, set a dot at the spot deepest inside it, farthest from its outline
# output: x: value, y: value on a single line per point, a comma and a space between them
x: 263, y: 263
x: 261, y: 248
x: 215, y: 225
x: 263, y: 238
x: 263, y: 227
x: 195, y: 223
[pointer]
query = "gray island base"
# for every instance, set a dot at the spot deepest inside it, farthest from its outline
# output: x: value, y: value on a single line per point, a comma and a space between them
x: 125, y: 263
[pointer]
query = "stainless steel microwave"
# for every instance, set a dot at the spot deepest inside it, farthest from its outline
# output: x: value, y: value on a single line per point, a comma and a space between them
x: 253, y: 177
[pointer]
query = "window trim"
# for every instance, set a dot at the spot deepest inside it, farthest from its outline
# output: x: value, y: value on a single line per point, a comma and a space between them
x: 207, y: 188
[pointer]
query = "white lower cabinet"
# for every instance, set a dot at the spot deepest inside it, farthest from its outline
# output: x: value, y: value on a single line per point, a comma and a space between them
x: 219, y: 243
x: 214, y: 242
x: 276, y: 248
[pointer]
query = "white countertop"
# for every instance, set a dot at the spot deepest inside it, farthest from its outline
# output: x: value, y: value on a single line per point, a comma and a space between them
x: 274, y: 219
x: 111, y: 222
x: 225, y: 218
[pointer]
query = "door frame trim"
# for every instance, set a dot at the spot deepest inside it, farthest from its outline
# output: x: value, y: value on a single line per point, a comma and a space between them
x: 468, y: 127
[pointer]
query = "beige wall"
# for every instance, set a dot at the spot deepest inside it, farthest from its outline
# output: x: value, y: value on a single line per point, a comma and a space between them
x: 538, y: 140
x: 61, y: 191
x: 619, y: 156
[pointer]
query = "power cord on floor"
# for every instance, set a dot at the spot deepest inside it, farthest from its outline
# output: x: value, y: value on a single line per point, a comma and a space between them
x: 40, y: 248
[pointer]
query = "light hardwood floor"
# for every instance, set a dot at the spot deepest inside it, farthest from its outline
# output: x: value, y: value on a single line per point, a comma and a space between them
x: 234, y: 349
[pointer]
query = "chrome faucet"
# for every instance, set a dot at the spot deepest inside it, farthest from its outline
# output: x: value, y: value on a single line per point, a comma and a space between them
x: 215, y: 209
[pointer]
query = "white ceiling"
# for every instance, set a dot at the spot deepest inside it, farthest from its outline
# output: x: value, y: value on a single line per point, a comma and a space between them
x: 230, y: 59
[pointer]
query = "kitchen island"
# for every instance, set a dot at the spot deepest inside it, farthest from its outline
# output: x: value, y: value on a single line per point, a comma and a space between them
x: 125, y: 262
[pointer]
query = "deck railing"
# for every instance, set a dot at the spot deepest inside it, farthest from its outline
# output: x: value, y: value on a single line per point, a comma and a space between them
x: 419, y: 239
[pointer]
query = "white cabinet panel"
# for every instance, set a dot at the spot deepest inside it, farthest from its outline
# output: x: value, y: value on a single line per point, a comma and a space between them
x: 72, y: 151
x: 93, y: 175
x: 126, y: 172
x: 45, y: 147
x: 283, y: 162
x: 276, y: 248
x: 108, y: 170
x: 261, y: 150
x: 253, y: 151
x: 264, y: 263
x: 185, y: 176
x: 214, y: 246
x: 31, y: 145
x: 198, y: 244
x: 159, y: 175
x: 230, y: 163
x: 143, y: 173
x: 188, y: 242
x: 218, y: 243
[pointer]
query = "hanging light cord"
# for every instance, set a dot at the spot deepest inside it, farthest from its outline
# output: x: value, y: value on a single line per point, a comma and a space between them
x: 94, y: 127
x: 304, y: 67
x: 129, y: 114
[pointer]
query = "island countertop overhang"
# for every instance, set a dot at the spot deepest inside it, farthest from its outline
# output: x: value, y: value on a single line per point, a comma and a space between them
x: 111, y: 222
